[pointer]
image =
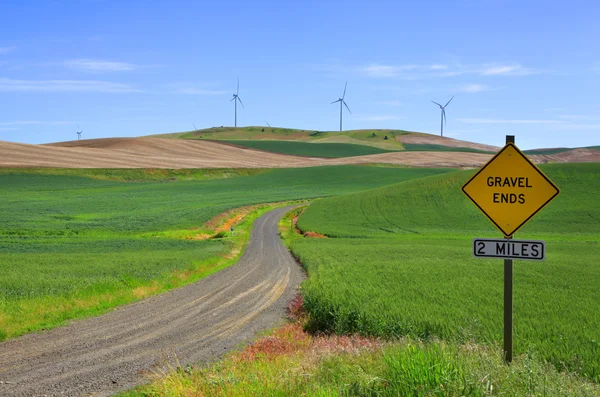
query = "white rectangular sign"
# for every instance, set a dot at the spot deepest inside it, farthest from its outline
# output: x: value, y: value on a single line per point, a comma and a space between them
x: 509, y: 249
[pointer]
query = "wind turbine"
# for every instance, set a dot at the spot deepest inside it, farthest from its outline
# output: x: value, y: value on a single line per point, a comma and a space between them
x: 235, y: 99
x: 342, y: 101
x: 78, y: 132
x: 443, y: 109
x: 268, y: 123
x: 195, y: 129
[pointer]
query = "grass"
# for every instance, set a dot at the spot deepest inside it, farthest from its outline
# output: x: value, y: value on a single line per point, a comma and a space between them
x: 547, y: 151
x: 290, y: 362
x: 328, y: 150
x: 423, y: 147
x: 437, y: 205
x: 72, y: 245
x: 373, y: 138
x: 401, y: 264
x: 141, y: 174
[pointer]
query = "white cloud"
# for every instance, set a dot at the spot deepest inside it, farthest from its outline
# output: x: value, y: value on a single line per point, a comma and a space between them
x: 507, y: 121
x: 578, y: 117
x: 580, y: 127
x: 376, y: 70
x: 378, y: 118
x: 506, y: 70
x: 472, y: 88
x: 6, y: 50
x: 92, y: 65
x: 415, y: 71
x: 30, y: 122
x: 10, y: 85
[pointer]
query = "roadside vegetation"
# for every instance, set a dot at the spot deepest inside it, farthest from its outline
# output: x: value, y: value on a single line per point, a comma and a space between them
x: 289, y: 361
x: 73, y: 246
x: 400, y: 263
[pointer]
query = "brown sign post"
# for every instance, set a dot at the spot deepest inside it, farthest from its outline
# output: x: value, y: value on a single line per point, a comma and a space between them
x: 509, y: 189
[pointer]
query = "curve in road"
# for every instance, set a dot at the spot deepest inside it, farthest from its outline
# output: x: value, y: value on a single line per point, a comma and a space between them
x: 199, y: 322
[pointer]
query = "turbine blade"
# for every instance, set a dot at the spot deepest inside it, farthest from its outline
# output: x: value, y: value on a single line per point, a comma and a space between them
x: 449, y: 101
x: 267, y: 123
x: 195, y: 129
x: 336, y: 101
x: 238, y: 98
x: 345, y: 86
x: 437, y: 103
x: 232, y: 99
x: 344, y: 102
x: 238, y: 87
x: 444, y: 116
x: 77, y: 126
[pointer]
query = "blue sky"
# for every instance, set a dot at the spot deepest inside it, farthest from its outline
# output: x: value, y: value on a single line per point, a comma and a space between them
x: 131, y: 68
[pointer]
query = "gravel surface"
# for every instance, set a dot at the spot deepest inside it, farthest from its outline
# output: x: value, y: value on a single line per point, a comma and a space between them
x: 196, y: 323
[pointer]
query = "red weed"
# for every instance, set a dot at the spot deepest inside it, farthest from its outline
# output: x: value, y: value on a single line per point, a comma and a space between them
x: 295, y: 309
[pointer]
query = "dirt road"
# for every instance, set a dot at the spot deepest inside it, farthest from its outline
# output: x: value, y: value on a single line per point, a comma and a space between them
x: 200, y: 322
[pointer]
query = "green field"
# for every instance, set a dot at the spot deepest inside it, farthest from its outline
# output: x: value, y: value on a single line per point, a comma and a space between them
x: 70, y: 245
x: 423, y: 147
x: 329, y: 150
x: 382, y: 139
x: 142, y: 174
x: 401, y: 264
x: 546, y: 151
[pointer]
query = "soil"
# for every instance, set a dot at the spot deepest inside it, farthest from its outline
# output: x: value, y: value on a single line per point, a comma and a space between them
x: 181, y: 153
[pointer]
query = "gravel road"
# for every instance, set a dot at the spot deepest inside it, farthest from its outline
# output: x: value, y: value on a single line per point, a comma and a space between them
x: 196, y: 323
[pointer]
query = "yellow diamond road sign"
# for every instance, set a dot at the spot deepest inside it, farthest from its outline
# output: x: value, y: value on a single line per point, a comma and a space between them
x: 510, y: 189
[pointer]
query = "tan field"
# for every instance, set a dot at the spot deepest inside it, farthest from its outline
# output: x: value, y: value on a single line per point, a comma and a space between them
x: 421, y: 138
x: 180, y: 153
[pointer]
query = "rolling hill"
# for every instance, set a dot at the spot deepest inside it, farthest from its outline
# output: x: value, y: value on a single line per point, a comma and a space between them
x: 263, y: 147
x: 270, y: 138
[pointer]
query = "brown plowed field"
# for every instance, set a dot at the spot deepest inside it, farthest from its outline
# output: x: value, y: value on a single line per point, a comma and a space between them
x: 419, y: 138
x: 179, y: 153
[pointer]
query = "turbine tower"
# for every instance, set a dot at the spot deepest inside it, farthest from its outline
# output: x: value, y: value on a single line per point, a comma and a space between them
x: 443, y: 109
x: 78, y: 132
x: 342, y: 101
x: 235, y: 99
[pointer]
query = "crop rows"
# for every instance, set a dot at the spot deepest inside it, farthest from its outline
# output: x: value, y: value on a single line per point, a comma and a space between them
x: 329, y: 150
x: 66, y: 237
x: 402, y: 265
